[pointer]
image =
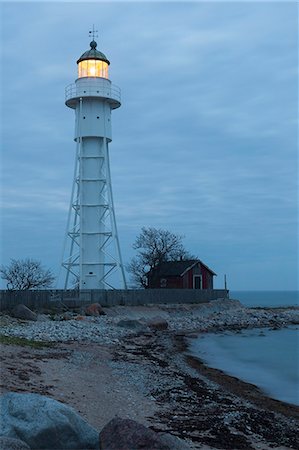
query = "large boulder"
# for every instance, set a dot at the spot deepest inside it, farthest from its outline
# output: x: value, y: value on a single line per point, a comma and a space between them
x: 7, y: 443
x: 22, y: 312
x: 174, y: 442
x: 126, y: 434
x: 44, y: 423
x: 94, y: 309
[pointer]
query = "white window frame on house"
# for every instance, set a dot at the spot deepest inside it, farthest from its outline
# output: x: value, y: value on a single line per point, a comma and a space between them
x: 163, y: 283
x: 194, y: 283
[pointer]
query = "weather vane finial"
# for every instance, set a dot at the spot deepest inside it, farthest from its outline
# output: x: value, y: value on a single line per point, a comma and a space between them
x: 93, y: 33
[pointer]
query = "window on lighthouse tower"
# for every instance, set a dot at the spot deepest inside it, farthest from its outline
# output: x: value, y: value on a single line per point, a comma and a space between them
x: 92, y: 68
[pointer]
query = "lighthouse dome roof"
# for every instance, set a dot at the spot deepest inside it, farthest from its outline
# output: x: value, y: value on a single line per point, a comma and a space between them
x: 93, y: 53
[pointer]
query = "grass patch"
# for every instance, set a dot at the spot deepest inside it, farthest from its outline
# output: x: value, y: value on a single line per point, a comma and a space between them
x: 23, y: 342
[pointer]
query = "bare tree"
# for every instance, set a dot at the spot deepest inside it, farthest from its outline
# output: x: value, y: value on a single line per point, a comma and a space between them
x: 137, y: 270
x: 155, y: 246
x: 24, y: 274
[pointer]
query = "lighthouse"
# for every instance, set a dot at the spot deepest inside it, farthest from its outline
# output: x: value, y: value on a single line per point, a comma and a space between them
x: 91, y: 250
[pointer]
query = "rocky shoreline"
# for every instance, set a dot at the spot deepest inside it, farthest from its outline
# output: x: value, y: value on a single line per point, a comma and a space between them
x: 219, y: 315
x: 134, y: 360
x: 203, y: 405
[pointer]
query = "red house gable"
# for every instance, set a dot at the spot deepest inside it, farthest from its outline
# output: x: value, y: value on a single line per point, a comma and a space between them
x: 189, y: 274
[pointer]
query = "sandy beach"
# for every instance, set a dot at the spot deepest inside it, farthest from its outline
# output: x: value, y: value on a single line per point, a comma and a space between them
x: 133, y: 371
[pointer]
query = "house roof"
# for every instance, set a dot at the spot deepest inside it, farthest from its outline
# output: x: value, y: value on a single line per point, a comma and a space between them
x: 177, y: 268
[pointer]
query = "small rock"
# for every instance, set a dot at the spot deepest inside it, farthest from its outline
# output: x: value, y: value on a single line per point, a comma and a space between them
x: 22, y: 312
x: 94, y: 309
x: 132, y: 324
x: 23, y: 376
x: 67, y: 316
x: 158, y: 324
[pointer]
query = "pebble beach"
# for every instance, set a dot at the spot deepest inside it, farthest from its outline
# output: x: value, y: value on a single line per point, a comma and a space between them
x: 217, y: 315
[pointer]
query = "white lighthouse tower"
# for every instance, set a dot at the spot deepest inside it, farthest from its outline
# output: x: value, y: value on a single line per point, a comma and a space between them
x: 92, y: 250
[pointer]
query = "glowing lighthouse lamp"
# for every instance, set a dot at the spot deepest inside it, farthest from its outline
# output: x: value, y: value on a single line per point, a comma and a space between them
x: 91, y: 250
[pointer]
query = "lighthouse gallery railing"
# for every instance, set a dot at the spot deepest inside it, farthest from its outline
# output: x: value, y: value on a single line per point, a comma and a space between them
x: 112, y: 91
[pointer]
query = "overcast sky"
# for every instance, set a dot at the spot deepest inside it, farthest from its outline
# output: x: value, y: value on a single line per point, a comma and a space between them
x: 204, y: 144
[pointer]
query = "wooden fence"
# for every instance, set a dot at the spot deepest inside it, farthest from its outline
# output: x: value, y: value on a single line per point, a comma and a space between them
x: 48, y: 299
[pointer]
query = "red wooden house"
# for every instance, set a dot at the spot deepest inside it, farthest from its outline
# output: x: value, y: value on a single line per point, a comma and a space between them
x: 189, y: 274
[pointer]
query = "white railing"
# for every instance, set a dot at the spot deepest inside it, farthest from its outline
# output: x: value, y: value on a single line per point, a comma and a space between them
x: 91, y: 90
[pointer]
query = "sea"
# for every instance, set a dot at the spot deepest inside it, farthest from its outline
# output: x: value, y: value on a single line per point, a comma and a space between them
x: 266, y: 299
x: 264, y: 357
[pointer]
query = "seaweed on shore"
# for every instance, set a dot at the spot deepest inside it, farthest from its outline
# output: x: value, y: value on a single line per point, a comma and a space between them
x: 204, y: 405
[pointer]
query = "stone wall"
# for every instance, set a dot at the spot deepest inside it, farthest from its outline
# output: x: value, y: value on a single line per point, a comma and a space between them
x: 131, y: 297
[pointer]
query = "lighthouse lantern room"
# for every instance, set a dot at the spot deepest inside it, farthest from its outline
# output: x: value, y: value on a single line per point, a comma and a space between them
x: 93, y: 63
x: 91, y: 250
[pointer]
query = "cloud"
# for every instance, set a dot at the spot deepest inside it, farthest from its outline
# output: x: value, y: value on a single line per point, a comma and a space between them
x: 205, y: 142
